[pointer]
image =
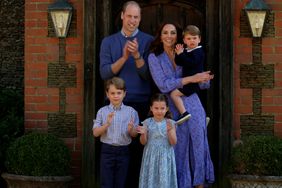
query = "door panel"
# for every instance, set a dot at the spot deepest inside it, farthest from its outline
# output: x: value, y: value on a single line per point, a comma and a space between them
x: 153, y: 14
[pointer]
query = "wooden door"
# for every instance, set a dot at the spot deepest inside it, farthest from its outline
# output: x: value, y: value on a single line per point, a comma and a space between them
x: 156, y: 12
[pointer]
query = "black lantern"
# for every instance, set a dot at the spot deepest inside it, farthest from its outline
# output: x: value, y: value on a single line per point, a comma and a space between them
x: 61, y: 13
x: 256, y: 11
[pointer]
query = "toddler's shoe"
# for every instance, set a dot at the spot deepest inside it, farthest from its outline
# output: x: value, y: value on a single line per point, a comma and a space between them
x: 183, y: 117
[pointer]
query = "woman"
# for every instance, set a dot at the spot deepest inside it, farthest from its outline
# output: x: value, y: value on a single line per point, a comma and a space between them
x: 193, y: 162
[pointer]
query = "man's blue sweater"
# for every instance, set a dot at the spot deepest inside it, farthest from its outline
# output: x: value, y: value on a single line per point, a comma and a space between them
x: 137, y: 80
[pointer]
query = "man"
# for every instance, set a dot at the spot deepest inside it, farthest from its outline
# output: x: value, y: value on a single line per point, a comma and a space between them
x: 124, y: 54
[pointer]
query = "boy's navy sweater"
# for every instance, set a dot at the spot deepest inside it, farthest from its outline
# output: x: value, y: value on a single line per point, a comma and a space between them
x: 192, y: 63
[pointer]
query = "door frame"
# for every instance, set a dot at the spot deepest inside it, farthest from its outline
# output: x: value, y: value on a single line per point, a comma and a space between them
x: 219, y: 39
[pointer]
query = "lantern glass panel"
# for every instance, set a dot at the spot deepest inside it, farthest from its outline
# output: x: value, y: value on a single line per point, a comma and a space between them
x: 61, y: 21
x: 256, y: 20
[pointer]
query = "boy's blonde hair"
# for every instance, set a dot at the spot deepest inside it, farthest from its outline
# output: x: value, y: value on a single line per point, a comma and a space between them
x: 192, y: 30
x: 117, y: 82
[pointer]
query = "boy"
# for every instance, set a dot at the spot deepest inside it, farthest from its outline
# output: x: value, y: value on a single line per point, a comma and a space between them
x: 192, y: 61
x: 115, y: 124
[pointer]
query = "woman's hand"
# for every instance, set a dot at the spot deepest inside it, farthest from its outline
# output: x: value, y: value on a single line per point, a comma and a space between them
x: 198, y: 78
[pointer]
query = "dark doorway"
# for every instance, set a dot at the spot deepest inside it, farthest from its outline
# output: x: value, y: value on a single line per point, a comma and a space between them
x: 102, y: 18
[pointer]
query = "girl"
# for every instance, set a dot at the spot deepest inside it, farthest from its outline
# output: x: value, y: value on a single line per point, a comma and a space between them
x: 158, y: 134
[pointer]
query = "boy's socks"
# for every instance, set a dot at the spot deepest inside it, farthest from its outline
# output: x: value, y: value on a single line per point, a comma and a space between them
x: 183, y: 117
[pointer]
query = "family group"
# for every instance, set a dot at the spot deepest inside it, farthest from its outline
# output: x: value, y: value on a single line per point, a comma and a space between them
x: 153, y: 129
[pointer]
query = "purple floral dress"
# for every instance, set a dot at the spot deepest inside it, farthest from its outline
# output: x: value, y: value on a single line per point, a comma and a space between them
x: 193, y: 162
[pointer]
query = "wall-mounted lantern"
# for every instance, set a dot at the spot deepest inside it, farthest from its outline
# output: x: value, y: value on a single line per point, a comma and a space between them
x: 61, y: 13
x: 256, y: 11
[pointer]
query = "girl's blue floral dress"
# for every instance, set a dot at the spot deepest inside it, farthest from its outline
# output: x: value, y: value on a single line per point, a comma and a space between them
x: 158, y: 169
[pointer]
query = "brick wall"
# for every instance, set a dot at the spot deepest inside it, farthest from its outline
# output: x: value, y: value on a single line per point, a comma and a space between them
x: 258, y: 74
x: 54, y: 78
x: 12, y: 43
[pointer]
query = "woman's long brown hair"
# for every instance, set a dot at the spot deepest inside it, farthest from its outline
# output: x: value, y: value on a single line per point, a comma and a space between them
x: 156, y: 46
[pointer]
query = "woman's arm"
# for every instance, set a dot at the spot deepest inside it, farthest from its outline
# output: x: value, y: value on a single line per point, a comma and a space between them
x: 198, y: 78
x: 163, y: 74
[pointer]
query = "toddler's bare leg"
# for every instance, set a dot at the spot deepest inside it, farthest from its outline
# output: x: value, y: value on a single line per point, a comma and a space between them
x: 176, y: 98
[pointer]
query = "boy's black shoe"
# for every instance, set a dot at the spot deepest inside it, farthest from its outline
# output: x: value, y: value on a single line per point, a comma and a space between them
x: 183, y: 117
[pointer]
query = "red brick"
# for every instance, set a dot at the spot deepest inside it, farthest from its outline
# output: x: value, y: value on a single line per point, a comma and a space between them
x: 272, y: 109
x: 72, y: 40
x: 33, y: 116
x: 246, y: 100
x: 278, y: 118
x: 278, y: 16
x: 29, y: 107
x: 36, y: 15
x: 272, y: 58
x: 277, y: 100
x: 267, y: 101
x: 42, y: 6
x: 278, y: 76
x: 278, y: 84
x: 48, y: 107
x: 277, y: 7
x: 38, y: 66
x: 275, y: 92
x: 278, y: 49
x: 268, y: 50
x: 48, y: 91
x: 36, y: 99
x: 278, y: 66
x: 36, y: 82
x: 272, y: 41
x: 35, y: 124
x: 35, y: 49
x: 73, y: 57
x: 278, y: 32
x: 73, y: 49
